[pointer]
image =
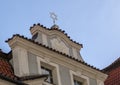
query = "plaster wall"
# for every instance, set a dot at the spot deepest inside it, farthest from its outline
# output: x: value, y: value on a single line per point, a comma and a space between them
x: 44, y: 39
x: 75, y: 53
x: 65, y: 75
x: 20, y: 61
x: 59, y: 45
x: 38, y: 37
x: 3, y: 82
x: 93, y: 81
x: 32, y: 62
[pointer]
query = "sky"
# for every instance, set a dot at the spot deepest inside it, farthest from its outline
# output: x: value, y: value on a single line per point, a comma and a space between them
x: 93, y: 23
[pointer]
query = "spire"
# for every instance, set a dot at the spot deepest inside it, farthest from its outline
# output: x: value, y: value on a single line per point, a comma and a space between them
x: 54, y: 18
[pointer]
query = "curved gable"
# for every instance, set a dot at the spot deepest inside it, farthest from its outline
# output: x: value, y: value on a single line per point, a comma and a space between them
x: 56, y: 39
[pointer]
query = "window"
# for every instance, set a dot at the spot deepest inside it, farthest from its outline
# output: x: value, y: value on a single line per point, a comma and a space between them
x: 48, y: 72
x: 77, y: 82
x: 78, y: 79
x: 51, y: 69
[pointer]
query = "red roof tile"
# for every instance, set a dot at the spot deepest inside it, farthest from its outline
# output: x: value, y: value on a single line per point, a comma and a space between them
x: 5, y: 66
x: 113, y: 71
x: 113, y: 77
x: 112, y: 66
x: 6, y: 71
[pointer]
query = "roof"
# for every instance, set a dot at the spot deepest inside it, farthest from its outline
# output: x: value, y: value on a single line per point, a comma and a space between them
x: 57, y: 29
x: 6, y: 70
x: 39, y: 44
x: 6, y: 56
x: 5, y: 67
x: 7, y: 73
x: 112, y: 66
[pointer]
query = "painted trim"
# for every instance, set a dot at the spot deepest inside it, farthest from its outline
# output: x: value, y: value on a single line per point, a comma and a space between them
x: 49, y: 43
x: 99, y: 82
x: 78, y: 74
x: 50, y: 63
x: 44, y: 39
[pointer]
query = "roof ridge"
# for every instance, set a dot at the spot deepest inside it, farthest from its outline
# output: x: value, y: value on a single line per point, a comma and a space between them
x: 115, y: 64
x: 117, y: 60
x: 70, y: 57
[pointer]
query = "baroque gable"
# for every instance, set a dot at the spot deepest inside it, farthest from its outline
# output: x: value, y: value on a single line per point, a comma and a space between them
x: 57, y: 39
x: 53, y: 55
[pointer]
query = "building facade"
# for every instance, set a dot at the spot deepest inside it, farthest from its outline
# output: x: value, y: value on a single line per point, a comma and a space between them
x: 113, y: 72
x: 50, y: 57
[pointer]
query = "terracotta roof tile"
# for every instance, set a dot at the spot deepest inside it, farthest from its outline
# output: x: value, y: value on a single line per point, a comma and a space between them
x: 113, y: 77
x: 6, y: 71
x: 82, y: 62
x: 6, y: 68
x: 112, y: 66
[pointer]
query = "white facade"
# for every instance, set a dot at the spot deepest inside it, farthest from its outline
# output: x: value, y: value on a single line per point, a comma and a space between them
x: 55, y: 54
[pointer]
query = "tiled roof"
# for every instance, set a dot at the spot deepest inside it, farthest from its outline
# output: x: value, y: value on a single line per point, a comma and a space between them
x: 39, y: 44
x: 5, y: 66
x: 6, y: 70
x: 112, y: 66
x: 113, y: 72
x: 113, y: 77
x: 6, y: 56
x: 62, y: 31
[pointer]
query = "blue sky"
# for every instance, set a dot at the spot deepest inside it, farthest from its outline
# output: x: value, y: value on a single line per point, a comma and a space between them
x: 94, y: 23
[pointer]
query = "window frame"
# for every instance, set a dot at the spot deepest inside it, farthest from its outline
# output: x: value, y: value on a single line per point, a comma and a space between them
x: 79, y: 77
x: 78, y: 82
x: 50, y: 75
x: 50, y: 65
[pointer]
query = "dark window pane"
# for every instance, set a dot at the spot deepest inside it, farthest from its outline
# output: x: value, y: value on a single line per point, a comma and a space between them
x: 77, y: 82
x: 48, y: 72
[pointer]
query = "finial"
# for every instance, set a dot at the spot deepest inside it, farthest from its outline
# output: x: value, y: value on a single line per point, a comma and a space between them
x: 53, y: 16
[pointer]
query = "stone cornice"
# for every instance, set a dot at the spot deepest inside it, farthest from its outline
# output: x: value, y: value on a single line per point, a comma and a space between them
x: 20, y: 38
